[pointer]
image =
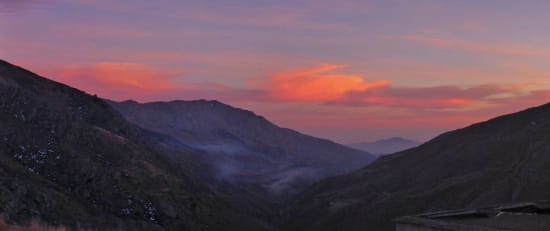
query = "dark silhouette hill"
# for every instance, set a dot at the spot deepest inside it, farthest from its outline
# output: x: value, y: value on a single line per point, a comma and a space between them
x: 503, y: 160
x: 67, y: 158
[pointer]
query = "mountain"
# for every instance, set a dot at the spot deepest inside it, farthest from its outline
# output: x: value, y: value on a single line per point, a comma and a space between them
x: 386, y: 146
x: 67, y: 158
x: 241, y: 147
x: 503, y: 160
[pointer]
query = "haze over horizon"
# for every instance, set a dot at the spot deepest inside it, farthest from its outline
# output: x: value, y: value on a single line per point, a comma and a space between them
x: 349, y: 71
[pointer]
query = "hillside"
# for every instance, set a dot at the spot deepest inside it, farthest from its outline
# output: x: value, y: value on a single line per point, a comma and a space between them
x: 66, y: 158
x: 242, y: 147
x: 502, y: 160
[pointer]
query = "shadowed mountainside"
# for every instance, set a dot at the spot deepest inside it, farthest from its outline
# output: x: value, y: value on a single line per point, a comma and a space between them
x: 499, y: 161
x: 242, y: 147
x: 66, y: 158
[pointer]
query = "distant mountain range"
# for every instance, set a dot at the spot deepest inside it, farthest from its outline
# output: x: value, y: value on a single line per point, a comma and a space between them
x: 385, y: 146
x: 242, y: 147
x: 503, y: 160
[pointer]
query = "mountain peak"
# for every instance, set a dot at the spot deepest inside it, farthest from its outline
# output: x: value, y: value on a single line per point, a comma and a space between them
x: 245, y: 144
x: 15, y: 76
x: 68, y: 159
x: 4, y: 62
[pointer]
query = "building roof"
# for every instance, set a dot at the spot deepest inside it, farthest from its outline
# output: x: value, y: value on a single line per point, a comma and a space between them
x: 529, y: 216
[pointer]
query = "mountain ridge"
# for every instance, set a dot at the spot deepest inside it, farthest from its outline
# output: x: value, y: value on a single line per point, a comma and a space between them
x: 501, y: 160
x: 67, y: 158
x: 277, y: 158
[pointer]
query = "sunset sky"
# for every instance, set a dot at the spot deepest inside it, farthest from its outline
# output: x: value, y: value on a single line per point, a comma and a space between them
x: 344, y: 70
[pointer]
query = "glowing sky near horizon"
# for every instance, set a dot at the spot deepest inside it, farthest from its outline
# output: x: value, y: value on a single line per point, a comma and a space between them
x: 344, y: 70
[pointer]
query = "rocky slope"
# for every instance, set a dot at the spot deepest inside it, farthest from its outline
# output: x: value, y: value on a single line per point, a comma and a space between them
x: 242, y: 147
x: 503, y: 160
x: 66, y: 158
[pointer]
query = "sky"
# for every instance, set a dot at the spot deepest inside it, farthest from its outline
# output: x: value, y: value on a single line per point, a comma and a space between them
x: 345, y: 70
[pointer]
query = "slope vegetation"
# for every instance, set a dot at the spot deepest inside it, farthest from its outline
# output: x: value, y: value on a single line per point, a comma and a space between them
x: 499, y: 161
x: 66, y: 158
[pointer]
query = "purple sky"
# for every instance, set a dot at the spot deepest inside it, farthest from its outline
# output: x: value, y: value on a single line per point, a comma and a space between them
x: 344, y: 70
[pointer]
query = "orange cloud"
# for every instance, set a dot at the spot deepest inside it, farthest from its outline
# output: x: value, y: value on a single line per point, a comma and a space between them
x: 120, y: 75
x: 119, y: 80
x: 132, y: 75
x: 439, y: 97
x: 316, y: 100
x: 122, y: 81
x: 322, y: 85
x: 317, y: 84
x: 437, y: 102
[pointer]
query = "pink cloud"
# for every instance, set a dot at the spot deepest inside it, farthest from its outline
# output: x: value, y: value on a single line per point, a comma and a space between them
x: 317, y: 84
x: 473, y: 46
x: 114, y: 78
x: 322, y: 84
x: 121, y: 81
x: 313, y: 98
x: 439, y: 97
x: 326, y: 84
